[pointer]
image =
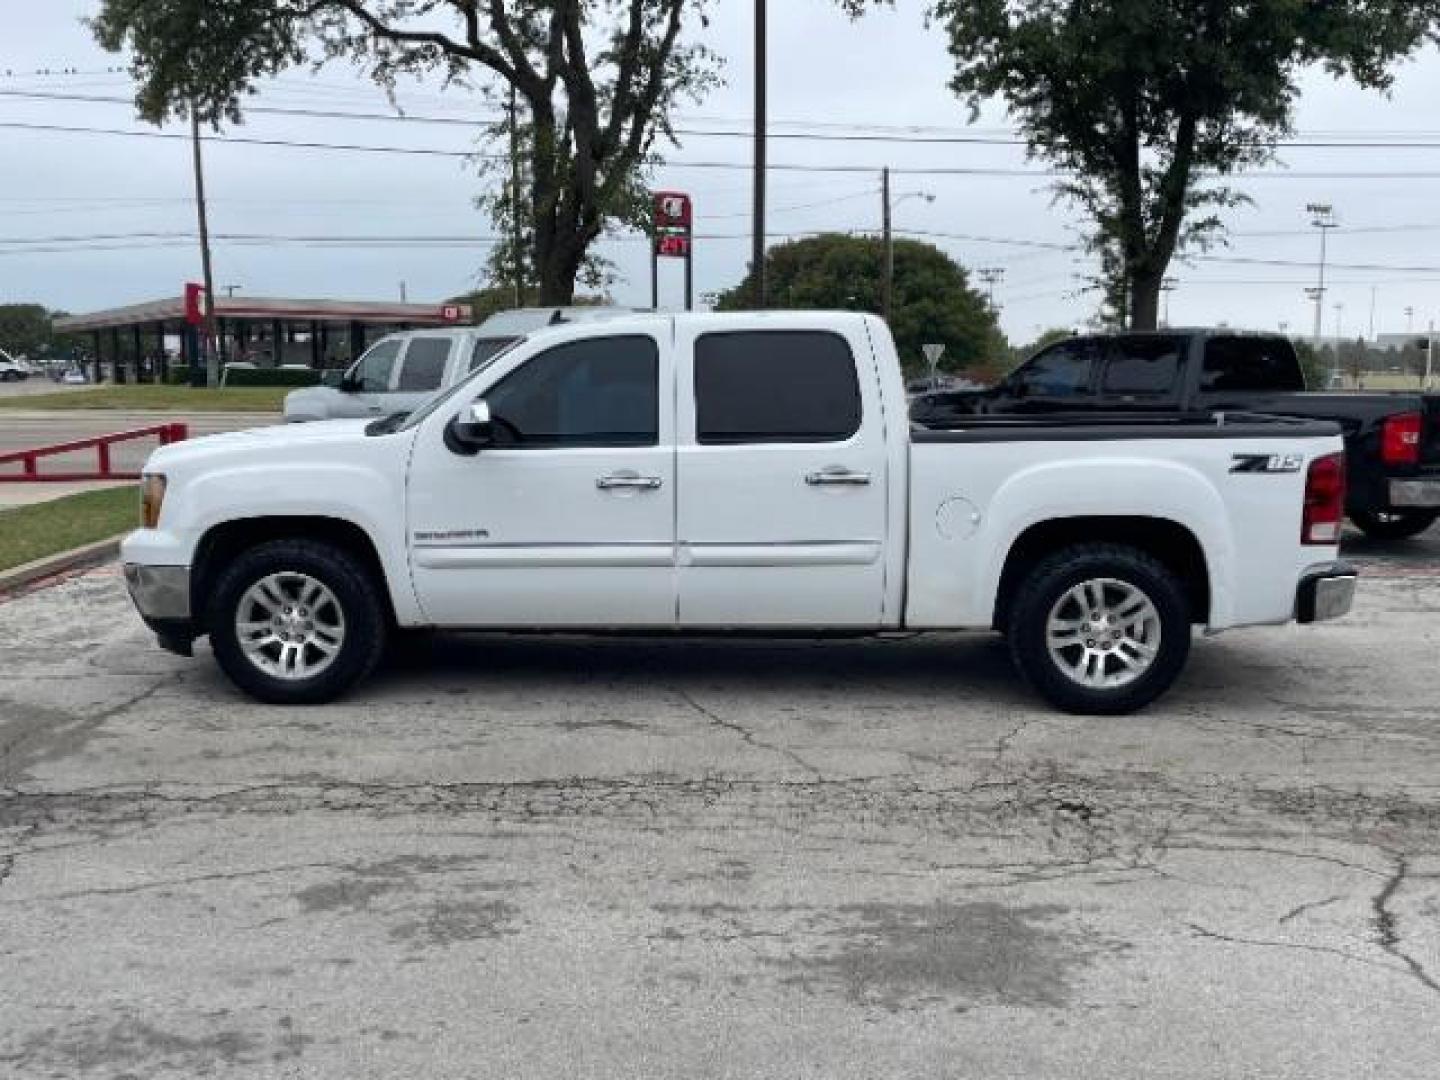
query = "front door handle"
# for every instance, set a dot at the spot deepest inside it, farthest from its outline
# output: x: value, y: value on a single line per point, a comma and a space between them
x: 628, y: 480
x: 836, y: 474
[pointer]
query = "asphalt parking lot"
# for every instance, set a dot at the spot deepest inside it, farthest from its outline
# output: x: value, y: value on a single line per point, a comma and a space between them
x: 538, y: 858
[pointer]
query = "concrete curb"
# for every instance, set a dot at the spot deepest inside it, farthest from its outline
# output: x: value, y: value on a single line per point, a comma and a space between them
x: 12, y: 581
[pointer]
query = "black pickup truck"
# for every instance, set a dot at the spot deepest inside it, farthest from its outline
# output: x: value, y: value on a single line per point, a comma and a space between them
x: 1392, y: 439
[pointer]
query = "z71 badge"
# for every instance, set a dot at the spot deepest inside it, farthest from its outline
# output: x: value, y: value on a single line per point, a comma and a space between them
x: 1267, y: 463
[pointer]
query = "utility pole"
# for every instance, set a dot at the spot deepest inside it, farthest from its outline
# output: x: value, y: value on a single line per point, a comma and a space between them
x: 1374, y: 289
x: 887, y: 278
x: 516, y: 234
x: 208, y: 345
x: 1409, y: 320
x: 991, y: 275
x: 1339, y: 316
x: 757, y: 253
x: 403, y: 297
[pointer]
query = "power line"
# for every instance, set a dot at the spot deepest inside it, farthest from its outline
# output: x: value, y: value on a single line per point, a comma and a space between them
x: 856, y: 135
x: 796, y: 167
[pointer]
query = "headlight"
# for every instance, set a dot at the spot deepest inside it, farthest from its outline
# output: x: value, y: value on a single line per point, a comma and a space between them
x: 152, y: 495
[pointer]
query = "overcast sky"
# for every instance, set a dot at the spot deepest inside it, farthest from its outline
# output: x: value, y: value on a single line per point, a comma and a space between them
x: 827, y: 74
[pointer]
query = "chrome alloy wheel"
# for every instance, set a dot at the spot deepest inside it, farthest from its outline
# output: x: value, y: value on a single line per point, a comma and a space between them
x: 1103, y: 633
x: 290, y: 626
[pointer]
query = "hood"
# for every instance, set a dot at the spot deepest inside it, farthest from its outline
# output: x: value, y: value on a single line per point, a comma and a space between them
x: 310, y: 401
x: 256, y: 443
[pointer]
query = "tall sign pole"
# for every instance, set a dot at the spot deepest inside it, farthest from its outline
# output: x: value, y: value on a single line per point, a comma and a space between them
x: 757, y: 254
x: 674, y: 235
x: 212, y: 358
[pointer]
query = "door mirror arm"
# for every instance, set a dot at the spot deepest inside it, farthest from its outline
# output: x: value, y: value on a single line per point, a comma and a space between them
x: 471, y: 430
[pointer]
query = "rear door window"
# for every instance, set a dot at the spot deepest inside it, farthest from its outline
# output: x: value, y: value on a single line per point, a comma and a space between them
x: 1250, y: 365
x: 424, y: 367
x: 768, y: 386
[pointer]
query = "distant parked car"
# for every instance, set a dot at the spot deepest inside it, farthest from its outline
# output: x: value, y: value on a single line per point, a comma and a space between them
x: 400, y: 371
x: 74, y: 377
x: 12, y: 370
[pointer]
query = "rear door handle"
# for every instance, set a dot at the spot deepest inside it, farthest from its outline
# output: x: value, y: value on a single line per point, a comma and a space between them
x: 836, y: 474
x: 628, y: 480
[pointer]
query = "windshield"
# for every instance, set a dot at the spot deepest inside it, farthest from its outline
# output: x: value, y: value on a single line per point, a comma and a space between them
x: 427, y: 408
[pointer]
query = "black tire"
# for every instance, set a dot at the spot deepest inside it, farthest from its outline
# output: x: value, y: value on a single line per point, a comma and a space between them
x: 356, y: 594
x: 1400, y: 525
x: 1048, y: 583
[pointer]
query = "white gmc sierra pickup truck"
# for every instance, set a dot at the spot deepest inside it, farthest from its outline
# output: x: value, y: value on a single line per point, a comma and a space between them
x: 756, y: 472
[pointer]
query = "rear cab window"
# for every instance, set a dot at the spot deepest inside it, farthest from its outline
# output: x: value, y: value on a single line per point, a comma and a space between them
x: 775, y: 386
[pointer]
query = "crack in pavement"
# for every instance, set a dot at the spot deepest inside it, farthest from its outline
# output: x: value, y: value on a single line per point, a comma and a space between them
x: 1311, y: 905
x: 747, y: 735
x: 1387, y: 925
x: 1299, y: 946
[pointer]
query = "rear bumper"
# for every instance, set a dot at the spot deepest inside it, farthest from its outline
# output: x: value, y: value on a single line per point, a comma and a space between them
x: 1415, y: 494
x: 1326, y: 594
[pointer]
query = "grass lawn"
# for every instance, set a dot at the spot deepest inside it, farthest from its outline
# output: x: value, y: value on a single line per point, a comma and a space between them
x: 256, y: 399
x: 32, y: 532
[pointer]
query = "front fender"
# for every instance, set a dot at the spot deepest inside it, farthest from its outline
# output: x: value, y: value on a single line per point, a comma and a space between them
x: 369, y: 498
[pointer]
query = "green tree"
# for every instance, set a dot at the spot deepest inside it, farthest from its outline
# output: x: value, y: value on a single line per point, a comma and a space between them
x: 1315, y: 363
x: 1145, y: 103
x: 934, y: 302
x: 27, y: 329
x: 597, y: 80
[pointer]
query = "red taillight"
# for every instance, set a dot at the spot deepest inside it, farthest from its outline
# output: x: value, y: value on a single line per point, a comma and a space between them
x: 1324, y: 501
x: 1400, y: 439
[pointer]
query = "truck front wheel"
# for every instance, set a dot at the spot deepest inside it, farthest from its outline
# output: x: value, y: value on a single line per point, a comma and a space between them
x: 296, y: 622
x: 1400, y: 525
x: 1100, y: 629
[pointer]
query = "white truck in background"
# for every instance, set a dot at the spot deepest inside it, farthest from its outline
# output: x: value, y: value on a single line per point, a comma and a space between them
x: 401, y: 370
x: 696, y: 474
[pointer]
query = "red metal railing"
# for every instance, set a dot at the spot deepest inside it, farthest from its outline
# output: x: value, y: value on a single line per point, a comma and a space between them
x: 30, y: 459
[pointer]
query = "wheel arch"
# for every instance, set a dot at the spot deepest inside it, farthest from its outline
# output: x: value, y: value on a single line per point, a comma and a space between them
x: 224, y: 541
x: 1172, y: 543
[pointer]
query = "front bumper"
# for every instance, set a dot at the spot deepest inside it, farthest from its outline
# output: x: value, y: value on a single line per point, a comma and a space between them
x: 1326, y: 594
x: 159, y: 592
x: 162, y: 596
x: 1415, y: 494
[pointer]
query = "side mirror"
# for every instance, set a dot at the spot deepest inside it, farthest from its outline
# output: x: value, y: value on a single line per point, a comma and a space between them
x: 472, y: 430
x: 348, y: 384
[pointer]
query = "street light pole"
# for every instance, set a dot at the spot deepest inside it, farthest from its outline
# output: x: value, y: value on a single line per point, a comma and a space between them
x: 887, y: 284
x: 1322, y: 217
x: 757, y: 253
x: 887, y: 213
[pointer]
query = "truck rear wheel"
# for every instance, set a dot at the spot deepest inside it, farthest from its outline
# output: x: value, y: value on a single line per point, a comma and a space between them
x: 296, y: 622
x: 1100, y: 629
x: 1399, y: 525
